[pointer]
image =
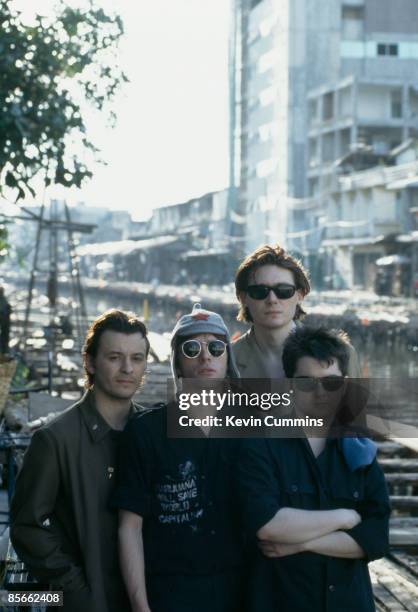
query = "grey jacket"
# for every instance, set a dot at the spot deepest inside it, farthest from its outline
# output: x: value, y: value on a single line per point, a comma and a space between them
x: 248, y: 357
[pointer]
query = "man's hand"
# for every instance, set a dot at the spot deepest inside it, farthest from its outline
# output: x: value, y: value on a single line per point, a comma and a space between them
x: 338, y: 544
x: 335, y: 543
x: 276, y: 549
x: 349, y: 518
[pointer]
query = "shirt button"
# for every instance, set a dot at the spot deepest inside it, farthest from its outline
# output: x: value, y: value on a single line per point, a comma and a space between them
x: 203, y: 477
x: 331, y: 588
x: 95, y: 426
x: 294, y: 488
x: 213, y: 532
x: 356, y: 494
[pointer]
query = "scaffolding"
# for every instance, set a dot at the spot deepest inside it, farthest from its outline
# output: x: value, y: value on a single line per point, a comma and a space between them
x: 62, y: 258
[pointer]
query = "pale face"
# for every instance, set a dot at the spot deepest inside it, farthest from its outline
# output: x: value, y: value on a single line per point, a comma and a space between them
x: 119, y: 365
x: 272, y: 313
x: 205, y: 365
x: 319, y: 402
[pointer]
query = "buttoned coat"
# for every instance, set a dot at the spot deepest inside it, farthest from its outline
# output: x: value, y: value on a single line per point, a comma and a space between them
x: 62, y: 525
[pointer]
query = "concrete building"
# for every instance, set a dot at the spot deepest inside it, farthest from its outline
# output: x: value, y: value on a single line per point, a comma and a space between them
x: 111, y: 224
x: 369, y: 215
x: 312, y: 81
x: 354, y: 114
x: 185, y: 242
x: 202, y: 225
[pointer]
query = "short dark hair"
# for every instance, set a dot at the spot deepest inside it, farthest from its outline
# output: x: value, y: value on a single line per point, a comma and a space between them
x: 269, y: 255
x: 112, y: 320
x: 323, y: 344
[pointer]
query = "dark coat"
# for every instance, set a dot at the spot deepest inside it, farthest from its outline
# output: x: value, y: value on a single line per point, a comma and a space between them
x: 278, y: 473
x: 62, y: 526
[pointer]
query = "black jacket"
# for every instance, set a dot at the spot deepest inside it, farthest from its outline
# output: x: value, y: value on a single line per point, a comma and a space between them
x: 275, y: 473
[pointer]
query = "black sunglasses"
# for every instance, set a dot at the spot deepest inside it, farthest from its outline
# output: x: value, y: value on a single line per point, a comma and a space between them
x: 329, y: 383
x: 192, y: 348
x: 282, y: 291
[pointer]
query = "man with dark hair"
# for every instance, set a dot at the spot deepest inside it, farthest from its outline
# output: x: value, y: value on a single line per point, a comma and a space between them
x: 270, y: 285
x: 62, y: 526
x: 180, y: 539
x: 318, y: 343
x: 318, y: 505
x: 112, y: 321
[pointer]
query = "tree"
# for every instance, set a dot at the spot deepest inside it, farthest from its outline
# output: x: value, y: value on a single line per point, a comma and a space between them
x: 49, y: 69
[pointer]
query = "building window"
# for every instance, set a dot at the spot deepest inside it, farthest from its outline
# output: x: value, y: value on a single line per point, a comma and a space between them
x: 338, y: 208
x: 328, y: 106
x: 313, y: 152
x: 396, y: 104
x: 352, y: 22
x: 313, y: 187
x: 387, y: 49
x: 313, y: 110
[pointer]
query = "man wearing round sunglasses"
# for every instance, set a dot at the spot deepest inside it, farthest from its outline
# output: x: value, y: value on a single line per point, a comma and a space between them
x: 270, y: 285
x: 317, y: 504
x: 181, y: 545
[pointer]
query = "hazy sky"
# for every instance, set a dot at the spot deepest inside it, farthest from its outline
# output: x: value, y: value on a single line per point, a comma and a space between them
x: 171, y: 138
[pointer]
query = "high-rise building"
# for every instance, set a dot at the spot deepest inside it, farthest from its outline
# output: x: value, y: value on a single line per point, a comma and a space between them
x: 313, y: 81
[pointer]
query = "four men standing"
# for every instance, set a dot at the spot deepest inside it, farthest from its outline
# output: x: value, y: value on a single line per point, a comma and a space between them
x: 181, y: 540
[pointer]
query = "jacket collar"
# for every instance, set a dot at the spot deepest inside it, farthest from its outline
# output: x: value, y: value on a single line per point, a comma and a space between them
x: 96, y: 425
x: 252, y: 357
x: 358, y: 451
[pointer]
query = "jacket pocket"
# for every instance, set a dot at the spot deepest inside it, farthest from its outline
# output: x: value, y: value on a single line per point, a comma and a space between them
x: 345, y: 494
x: 299, y: 495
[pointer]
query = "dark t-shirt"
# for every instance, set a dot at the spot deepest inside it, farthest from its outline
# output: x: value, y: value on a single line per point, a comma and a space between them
x: 276, y: 473
x: 184, y: 490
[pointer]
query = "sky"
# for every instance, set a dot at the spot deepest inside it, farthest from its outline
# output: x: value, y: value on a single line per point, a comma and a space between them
x: 171, y: 139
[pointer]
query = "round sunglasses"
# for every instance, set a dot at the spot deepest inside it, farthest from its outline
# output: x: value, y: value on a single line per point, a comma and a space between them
x: 328, y: 383
x: 282, y: 291
x: 192, y: 348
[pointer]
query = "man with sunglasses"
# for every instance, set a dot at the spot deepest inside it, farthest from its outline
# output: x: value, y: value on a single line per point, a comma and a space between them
x: 270, y: 285
x: 318, y: 505
x: 180, y: 541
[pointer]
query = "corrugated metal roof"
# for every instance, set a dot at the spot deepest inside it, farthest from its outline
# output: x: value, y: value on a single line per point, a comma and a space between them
x: 124, y: 247
x: 351, y: 241
x: 411, y: 181
x: 205, y: 253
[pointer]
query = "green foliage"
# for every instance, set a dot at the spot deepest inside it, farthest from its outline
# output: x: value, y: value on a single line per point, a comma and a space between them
x: 48, y: 70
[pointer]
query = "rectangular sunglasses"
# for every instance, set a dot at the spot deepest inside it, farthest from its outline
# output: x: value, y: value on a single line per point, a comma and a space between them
x: 283, y: 291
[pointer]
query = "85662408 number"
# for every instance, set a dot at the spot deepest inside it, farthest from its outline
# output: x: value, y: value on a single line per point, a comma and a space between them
x: 31, y: 598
